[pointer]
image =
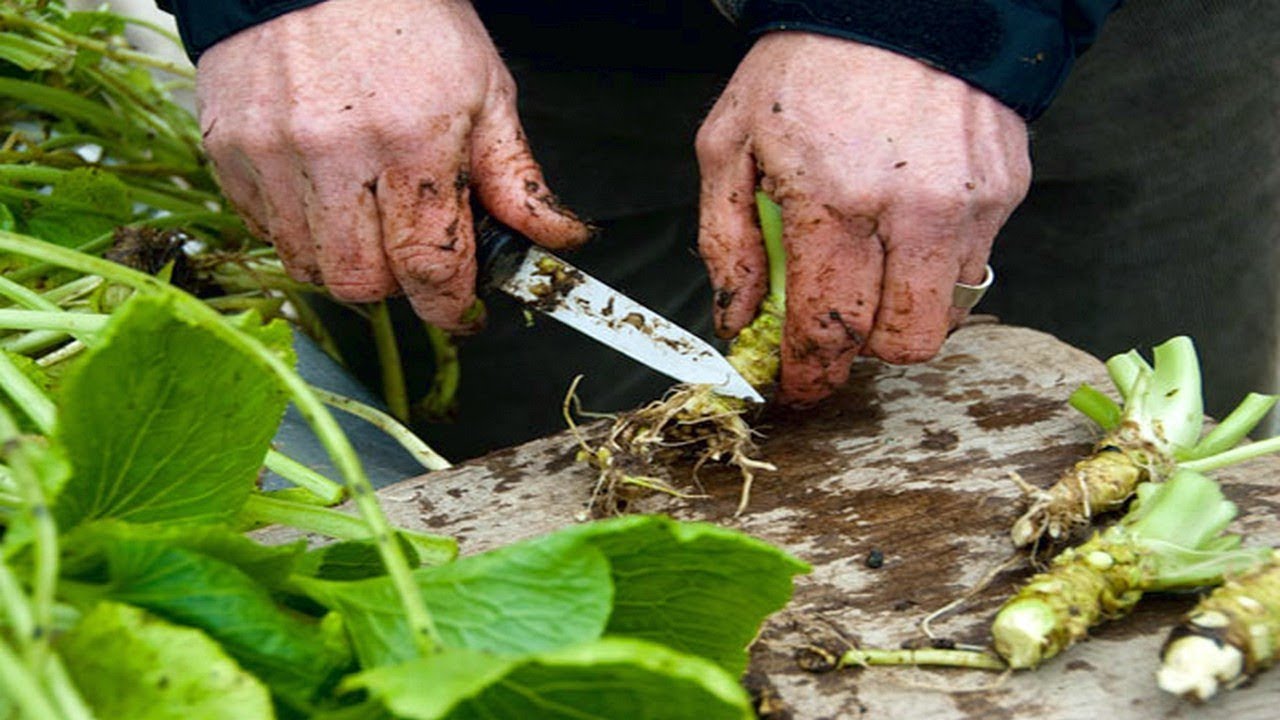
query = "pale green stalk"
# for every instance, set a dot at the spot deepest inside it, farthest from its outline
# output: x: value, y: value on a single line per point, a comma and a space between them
x: 1234, y: 427
x: 942, y: 657
x: 295, y: 472
x: 384, y: 340
x: 24, y: 689
x: 26, y: 395
x: 72, y: 323
x: 115, y: 52
x: 413, y: 444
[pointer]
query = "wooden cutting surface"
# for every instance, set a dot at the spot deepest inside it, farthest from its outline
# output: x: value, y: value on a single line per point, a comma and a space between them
x: 914, y: 463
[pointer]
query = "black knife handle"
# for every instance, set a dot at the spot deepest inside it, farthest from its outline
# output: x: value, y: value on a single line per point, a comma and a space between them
x: 499, y: 250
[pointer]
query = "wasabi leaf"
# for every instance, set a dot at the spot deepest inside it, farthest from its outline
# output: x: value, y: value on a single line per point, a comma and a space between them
x: 85, y: 547
x: 164, y: 422
x: 83, y: 204
x: 605, y: 679
x: 535, y: 595
x: 694, y: 587
x: 130, y: 665
x: 295, y: 657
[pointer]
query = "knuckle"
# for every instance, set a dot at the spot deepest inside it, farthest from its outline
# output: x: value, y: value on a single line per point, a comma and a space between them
x: 315, y: 134
x: 426, y: 263
x: 360, y: 289
x: 714, y: 141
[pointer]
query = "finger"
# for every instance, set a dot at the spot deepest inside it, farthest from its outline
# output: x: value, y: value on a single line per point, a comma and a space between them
x: 977, y: 237
x: 342, y: 212
x: 920, y: 272
x: 241, y: 191
x: 427, y: 237
x: 834, y: 265
x: 509, y: 182
x: 729, y: 238
x: 283, y: 187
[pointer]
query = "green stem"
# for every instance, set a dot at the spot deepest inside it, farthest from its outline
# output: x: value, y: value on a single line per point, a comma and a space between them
x: 23, y: 688
x: 440, y: 399
x: 421, y: 452
x: 384, y: 339
x: 924, y: 656
x: 25, y: 461
x: 311, y: 323
x: 426, y: 637
x: 771, y: 229
x: 15, y: 606
x: 1235, y: 426
x: 25, y: 297
x: 69, y: 322
x: 262, y: 509
x: 1096, y: 406
x: 1233, y: 456
x: 33, y: 342
x: 123, y: 55
x: 329, y: 492
x: 26, y: 395
x: 64, y: 692
x: 161, y: 200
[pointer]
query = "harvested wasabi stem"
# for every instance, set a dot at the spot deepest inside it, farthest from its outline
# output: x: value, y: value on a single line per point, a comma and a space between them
x: 696, y: 417
x: 1171, y: 539
x: 1230, y: 635
x: 440, y: 402
x: 389, y: 363
x: 1156, y: 431
x: 940, y: 657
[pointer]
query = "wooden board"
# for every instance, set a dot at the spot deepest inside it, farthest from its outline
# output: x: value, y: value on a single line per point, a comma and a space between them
x: 912, y: 462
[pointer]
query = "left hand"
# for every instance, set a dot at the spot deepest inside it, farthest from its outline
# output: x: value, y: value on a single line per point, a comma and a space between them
x: 893, y: 178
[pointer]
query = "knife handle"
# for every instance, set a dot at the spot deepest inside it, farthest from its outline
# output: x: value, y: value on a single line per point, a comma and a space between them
x: 499, y: 250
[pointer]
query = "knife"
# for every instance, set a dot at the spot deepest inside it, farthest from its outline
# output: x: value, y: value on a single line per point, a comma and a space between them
x: 510, y: 262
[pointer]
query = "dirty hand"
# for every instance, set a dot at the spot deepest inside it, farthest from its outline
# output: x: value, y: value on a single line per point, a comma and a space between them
x: 351, y: 133
x: 893, y: 179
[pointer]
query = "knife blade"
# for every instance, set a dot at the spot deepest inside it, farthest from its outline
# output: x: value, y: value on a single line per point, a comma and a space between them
x: 511, y: 263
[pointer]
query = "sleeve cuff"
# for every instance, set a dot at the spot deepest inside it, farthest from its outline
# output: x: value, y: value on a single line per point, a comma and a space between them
x: 204, y: 23
x: 1018, y: 52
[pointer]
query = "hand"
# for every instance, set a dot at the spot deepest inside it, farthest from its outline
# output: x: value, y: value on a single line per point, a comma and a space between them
x: 893, y: 179
x: 351, y: 133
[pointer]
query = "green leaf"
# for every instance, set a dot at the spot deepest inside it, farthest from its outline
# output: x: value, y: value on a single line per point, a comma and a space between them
x: 605, y: 679
x: 695, y: 587
x: 83, y: 204
x: 85, y: 547
x: 164, y: 421
x: 294, y: 656
x: 129, y: 665
x: 276, y: 334
x: 535, y: 595
x: 351, y: 560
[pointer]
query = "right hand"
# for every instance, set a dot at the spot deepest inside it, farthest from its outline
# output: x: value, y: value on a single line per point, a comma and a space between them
x: 350, y: 133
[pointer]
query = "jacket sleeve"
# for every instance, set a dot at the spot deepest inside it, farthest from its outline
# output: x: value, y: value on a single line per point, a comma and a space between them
x: 201, y: 23
x: 1019, y: 51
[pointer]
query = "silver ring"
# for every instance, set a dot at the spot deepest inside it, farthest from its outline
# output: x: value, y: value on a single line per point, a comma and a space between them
x: 966, y: 296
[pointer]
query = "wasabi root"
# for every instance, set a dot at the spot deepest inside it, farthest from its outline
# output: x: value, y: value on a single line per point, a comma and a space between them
x: 695, y: 418
x: 1230, y: 636
x: 1171, y: 539
x: 1156, y: 432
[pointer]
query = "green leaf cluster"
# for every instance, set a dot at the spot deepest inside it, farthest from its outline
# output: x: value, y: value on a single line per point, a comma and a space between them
x: 122, y: 538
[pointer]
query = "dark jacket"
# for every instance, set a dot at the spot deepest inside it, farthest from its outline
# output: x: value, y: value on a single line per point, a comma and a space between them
x: 1019, y: 51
